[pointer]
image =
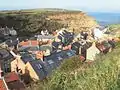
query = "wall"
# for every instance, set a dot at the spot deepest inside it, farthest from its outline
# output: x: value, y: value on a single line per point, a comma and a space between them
x: 32, y: 73
x: 19, y: 63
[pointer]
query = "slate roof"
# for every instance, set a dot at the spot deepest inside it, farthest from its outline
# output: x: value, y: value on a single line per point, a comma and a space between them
x: 26, y: 57
x: 5, y: 54
x: 75, y: 46
x: 45, y: 37
x: 50, y: 63
x: 12, y: 41
x: 38, y: 68
x: 55, y: 45
x: 2, y: 38
x: 53, y: 61
x: 45, y: 47
x: 29, y: 48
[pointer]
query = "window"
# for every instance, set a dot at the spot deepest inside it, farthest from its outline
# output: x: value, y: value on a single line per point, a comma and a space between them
x: 59, y: 58
x: 50, y: 62
x: 39, y: 66
x: 69, y: 54
x: 33, y: 49
x: 6, y: 66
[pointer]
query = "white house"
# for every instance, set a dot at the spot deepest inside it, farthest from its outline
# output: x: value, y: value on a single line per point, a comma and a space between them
x: 92, y: 52
x: 44, y: 38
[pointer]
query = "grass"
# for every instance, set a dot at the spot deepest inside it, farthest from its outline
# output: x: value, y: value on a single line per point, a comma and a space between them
x: 114, y: 27
x: 35, y: 11
x: 102, y: 75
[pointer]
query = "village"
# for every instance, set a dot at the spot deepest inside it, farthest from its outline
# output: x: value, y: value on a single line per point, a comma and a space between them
x: 23, y: 60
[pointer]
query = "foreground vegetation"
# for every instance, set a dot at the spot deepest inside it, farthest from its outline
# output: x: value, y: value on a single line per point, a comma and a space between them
x: 103, y: 74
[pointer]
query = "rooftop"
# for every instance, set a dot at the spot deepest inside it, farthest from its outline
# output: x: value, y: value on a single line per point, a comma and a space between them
x: 10, y: 77
x: 2, y: 84
x: 26, y: 57
x: 13, y: 82
x: 5, y: 54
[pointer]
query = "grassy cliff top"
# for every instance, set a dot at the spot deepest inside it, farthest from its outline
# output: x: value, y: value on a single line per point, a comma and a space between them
x: 37, y: 11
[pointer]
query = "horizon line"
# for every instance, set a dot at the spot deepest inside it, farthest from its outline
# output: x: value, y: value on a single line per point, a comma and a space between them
x: 74, y: 9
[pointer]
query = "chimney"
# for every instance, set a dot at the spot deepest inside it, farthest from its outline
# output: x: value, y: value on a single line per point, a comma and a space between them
x: 93, y: 44
x: 40, y: 55
x: 30, y: 42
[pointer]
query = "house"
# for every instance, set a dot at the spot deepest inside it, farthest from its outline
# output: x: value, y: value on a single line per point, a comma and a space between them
x: 31, y: 49
x: 13, y: 32
x: 45, y: 32
x: 92, y: 52
x: 8, y: 31
x: 36, y: 70
x: 83, y: 48
x: 65, y: 37
x: 98, y: 34
x: 12, y: 42
x: 5, y: 31
x: 20, y: 61
x: 29, y: 46
x: 105, y: 46
x: 45, y: 38
x: 2, y: 38
x: 80, y: 47
x: 5, y: 59
x: 3, y: 85
x: 68, y: 47
x: 13, y: 82
x: 56, y: 46
x: 76, y: 47
x: 39, y: 70
x: 47, y: 49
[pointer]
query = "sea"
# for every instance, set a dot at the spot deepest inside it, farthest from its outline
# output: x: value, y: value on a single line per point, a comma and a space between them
x: 105, y: 18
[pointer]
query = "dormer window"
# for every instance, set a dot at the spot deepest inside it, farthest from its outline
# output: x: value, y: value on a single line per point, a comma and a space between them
x: 39, y: 66
x: 59, y: 58
x: 50, y: 62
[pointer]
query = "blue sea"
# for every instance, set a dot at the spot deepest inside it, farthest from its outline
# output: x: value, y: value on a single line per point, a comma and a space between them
x: 106, y: 18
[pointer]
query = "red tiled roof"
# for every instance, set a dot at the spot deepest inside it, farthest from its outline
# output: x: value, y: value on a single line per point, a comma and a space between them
x: 67, y: 47
x: 30, y: 42
x: 2, y: 85
x: 11, y: 77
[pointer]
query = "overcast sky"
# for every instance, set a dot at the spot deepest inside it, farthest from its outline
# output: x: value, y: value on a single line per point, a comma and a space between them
x: 85, y: 5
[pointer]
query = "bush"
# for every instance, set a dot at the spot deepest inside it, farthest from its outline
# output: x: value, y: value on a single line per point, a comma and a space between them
x: 28, y: 24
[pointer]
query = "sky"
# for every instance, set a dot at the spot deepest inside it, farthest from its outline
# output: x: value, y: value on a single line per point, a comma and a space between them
x: 84, y: 5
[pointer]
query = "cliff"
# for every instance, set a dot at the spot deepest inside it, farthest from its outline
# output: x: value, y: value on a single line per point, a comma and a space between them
x: 77, y: 21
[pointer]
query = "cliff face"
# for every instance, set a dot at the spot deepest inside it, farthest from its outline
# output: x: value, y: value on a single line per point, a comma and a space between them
x: 77, y: 21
